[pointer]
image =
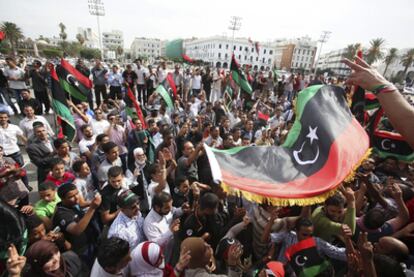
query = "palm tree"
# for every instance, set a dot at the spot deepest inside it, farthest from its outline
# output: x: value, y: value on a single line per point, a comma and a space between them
x: 351, y: 50
x: 62, y: 33
x: 375, y: 51
x: 81, y: 39
x: 13, y: 33
x: 407, y: 60
x: 390, y: 58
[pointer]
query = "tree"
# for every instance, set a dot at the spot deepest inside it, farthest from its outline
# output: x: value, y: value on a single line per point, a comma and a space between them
x: 407, y: 60
x: 351, y: 51
x: 119, y: 51
x: 73, y: 48
x: 81, y: 39
x: 90, y: 53
x: 52, y: 52
x: 62, y: 33
x: 13, y: 33
x: 390, y: 58
x: 375, y: 50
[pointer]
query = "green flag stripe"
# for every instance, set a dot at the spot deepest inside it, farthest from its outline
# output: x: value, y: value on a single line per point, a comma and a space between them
x: 314, y: 270
x: 71, y: 90
x: 164, y: 94
x: 382, y: 154
x: 242, y: 82
x: 302, y: 100
x: 230, y: 151
x: 65, y: 114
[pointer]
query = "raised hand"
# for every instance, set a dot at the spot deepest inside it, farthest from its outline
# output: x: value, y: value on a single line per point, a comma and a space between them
x: 15, y: 262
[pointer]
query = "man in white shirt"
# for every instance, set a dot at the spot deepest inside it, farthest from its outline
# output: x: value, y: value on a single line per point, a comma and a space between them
x: 161, y: 72
x: 26, y: 124
x: 9, y: 135
x: 140, y: 71
x: 99, y: 124
x: 16, y: 77
x: 87, y: 143
x: 196, y: 82
x: 216, y: 91
x: 129, y: 223
x: 113, y: 256
x: 160, y: 225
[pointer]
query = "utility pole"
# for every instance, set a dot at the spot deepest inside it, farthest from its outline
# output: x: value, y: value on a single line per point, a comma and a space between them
x: 324, y: 38
x: 96, y: 7
x: 235, y: 25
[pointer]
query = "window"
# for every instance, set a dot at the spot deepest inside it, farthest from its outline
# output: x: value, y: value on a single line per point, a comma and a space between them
x: 257, y: 59
x: 269, y: 61
x: 227, y: 46
x: 298, y: 51
x: 240, y: 48
x: 234, y: 47
x: 264, y: 51
x: 301, y: 64
x: 219, y: 55
x: 271, y: 52
x: 252, y: 49
x: 225, y: 55
x: 308, y: 52
x: 296, y: 65
x: 251, y: 58
x: 245, y: 58
x: 263, y: 60
x: 239, y: 57
x: 219, y: 46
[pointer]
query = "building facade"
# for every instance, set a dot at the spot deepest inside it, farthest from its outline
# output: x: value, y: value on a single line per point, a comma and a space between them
x: 146, y: 48
x: 295, y: 54
x: 112, y: 40
x: 217, y: 52
x: 91, y: 39
x: 332, y: 61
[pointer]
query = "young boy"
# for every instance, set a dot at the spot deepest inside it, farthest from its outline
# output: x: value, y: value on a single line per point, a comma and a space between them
x: 58, y: 175
x: 109, y: 209
x: 45, y: 207
x: 83, y: 180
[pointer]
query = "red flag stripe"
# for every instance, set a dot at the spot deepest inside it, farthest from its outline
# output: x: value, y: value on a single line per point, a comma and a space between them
x: 79, y: 76
x: 170, y: 80
x: 137, y: 108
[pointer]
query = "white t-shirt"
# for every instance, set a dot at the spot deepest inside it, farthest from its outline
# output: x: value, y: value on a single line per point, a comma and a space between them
x: 161, y: 75
x: 196, y: 82
x: 26, y: 125
x: 99, y: 127
x: 85, y: 145
x: 217, y: 81
x: 98, y: 271
x: 141, y: 75
x: 8, y: 138
x: 17, y: 72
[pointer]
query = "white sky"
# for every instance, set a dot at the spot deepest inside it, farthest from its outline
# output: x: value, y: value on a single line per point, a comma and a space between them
x: 349, y: 21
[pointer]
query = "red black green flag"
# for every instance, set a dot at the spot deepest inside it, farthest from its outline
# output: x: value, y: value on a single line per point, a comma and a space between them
x: 61, y: 107
x: 138, y: 112
x: 325, y: 144
x: 371, y: 101
x: 388, y: 142
x: 72, y: 81
x: 304, y: 258
x: 238, y: 76
x: 187, y: 59
x: 171, y: 83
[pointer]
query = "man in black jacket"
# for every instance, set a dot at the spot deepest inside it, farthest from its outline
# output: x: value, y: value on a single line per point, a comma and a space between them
x: 39, y: 81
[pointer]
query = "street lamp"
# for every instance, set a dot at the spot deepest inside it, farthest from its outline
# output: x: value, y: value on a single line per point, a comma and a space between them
x: 324, y: 38
x: 235, y: 25
x: 96, y: 7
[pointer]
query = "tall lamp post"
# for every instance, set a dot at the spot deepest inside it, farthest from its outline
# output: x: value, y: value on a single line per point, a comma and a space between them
x: 96, y: 7
x: 324, y: 38
x: 235, y: 25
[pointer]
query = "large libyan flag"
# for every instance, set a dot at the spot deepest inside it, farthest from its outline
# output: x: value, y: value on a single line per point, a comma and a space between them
x: 324, y: 146
x: 60, y: 105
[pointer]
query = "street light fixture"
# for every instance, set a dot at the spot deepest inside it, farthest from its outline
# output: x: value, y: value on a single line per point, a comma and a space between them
x: 324, y: 38
x: 96, y: 7
x: 235, y: 25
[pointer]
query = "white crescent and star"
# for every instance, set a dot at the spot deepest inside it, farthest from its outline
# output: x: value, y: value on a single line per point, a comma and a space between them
x: 312, y: 136
x: 73, y: 81
x: 304, y: 259
x: 390, y: 145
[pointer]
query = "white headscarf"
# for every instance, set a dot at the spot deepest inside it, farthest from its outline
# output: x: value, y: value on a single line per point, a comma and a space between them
x: 144, y: 258
x: 139, y: 163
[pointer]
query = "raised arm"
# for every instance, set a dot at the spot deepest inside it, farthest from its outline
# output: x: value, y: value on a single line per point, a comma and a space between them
x: 398, y: 110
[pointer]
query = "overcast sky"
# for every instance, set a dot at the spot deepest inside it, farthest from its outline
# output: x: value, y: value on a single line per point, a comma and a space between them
x: 350, y: 21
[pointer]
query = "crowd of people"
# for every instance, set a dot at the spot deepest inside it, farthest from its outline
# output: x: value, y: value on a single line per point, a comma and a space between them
x: 132, y: 198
